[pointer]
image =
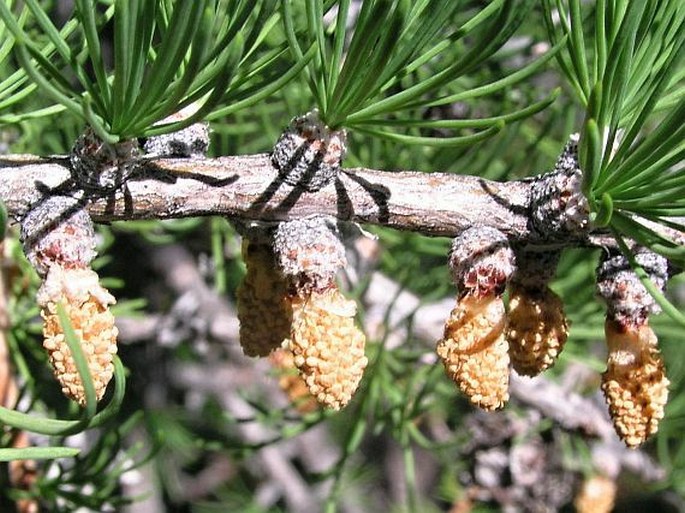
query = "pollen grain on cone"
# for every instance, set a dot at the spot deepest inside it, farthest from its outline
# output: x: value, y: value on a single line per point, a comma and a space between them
x: 327, y: 346
x: 537, y: 328
x: 475, y: 351
x: 263, y: 309
x: 635, y: 384
x: 87, y: 305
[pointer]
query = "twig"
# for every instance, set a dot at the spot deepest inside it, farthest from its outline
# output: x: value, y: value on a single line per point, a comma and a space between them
x: 248, y: 187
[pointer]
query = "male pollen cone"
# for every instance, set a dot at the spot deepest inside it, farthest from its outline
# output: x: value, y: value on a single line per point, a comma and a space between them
x: 475, y: 351
x: 263, y: 309
x: 537, y: 328
x: 635, y: 384
x: 327, y: 346
x: 290, y: 381
x: 87, y: 306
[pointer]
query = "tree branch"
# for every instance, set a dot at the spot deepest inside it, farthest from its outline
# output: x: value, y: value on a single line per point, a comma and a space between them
x: 249, y: 188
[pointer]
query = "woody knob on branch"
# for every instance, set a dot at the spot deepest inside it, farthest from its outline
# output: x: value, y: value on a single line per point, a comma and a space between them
x: 308, y: 154
x: 473, y: 348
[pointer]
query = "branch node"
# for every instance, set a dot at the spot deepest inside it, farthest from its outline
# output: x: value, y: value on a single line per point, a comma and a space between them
x: 100, y: 166
x: 308, y: 154
x: 558, y: 208
x: 192, y: 141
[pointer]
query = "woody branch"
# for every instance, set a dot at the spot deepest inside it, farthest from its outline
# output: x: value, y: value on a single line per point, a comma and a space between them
x: 248, y: 187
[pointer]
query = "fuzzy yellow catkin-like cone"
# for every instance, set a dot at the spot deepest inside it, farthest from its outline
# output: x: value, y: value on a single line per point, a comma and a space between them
x: 327, y: 346
x: 263, y: 309
x: 475, y: 351
x: 596, y: 495
x: 86, y: 303
x: 537, y: 328
x: 635, y: 384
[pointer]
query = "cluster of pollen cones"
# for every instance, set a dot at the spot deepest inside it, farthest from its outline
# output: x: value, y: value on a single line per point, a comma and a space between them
x: 290, y: 308
x: 483, y: 339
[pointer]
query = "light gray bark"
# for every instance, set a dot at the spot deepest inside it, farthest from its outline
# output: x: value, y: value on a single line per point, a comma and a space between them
x: 248, y: 187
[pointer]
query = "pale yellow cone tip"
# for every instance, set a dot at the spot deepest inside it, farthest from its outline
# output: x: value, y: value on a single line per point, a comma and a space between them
x: 596, y: 495
x: 537, y: 329
x: 290, y: 381
x: 635, y: 384
x: 87, y: 305
x: 475, y: 352
x: 327, y: 346
x: 263, y: 307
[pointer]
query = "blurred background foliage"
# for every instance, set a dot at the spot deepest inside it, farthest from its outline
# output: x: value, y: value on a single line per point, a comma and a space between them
x: 203, y: 429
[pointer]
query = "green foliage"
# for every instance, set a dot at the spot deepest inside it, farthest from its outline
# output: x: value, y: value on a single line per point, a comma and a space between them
x: 167, y: 56
x: 628, y: 75
x: 401, y: 59
x: 87, y: 418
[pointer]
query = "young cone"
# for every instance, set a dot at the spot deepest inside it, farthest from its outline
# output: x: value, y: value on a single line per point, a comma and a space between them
x: 263, y: 308
x: 596, y: 495
x: 537, y: 329
x: 87, y: 306
x: 473, y: 349
x: 634, y: 384
x: 327, y: 346
x: 475, y: 352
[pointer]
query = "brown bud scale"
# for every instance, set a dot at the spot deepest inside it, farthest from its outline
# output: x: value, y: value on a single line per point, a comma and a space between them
x: 481, y: 261
x: 58, y: 230
x: 308, y: 252
x: 628, y: 301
